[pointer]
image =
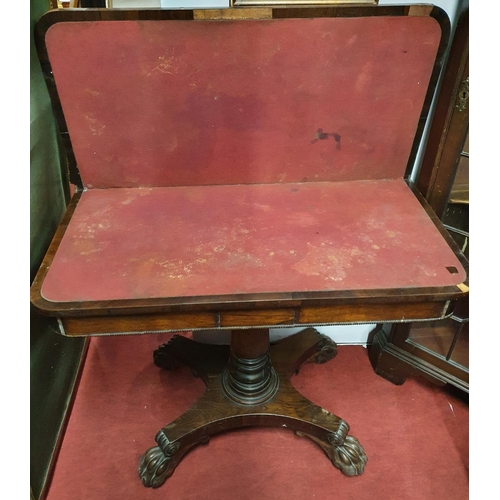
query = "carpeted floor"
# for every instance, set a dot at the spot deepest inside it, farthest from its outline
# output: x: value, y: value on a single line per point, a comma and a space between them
x: 416, y: 436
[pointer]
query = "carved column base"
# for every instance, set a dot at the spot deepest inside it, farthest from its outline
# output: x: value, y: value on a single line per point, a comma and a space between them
x: 216, y: 411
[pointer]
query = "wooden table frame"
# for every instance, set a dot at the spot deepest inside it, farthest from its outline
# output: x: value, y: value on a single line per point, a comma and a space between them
x: 248, y: 382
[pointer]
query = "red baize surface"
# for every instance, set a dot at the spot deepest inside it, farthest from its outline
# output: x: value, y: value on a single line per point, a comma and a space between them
x: 250, y: 156
x: 218, y: 240
x: 169, y: 103
x: 415, y: 435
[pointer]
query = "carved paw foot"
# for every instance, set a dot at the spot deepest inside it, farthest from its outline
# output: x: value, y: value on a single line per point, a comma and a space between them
x: 163, y: 356
x: 349, y: 457
x: 344, y: 451
x: 325, y: 350
x: 154, y: 468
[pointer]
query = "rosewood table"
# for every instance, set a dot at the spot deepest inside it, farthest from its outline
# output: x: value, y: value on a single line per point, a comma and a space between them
x: 244, y: 169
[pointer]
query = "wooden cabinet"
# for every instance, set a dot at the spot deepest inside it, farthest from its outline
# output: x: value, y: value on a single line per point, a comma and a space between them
x: 439, y: 350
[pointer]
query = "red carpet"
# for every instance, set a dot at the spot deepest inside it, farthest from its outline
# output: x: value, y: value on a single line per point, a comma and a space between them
x: 415, y: 435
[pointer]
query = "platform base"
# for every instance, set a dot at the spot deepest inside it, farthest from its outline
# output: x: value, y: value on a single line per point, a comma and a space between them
x: 218, y: 411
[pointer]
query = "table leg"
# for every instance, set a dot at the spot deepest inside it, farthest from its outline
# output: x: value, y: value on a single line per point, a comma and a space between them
x: 248, y: 384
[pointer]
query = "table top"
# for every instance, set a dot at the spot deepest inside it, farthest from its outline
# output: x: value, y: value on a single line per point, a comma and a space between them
x: 229, y: 166
x: 173, y: 102
x: 208, y: 241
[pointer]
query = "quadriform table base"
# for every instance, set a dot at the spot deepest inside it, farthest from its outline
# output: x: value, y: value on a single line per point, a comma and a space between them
x: 248, y: 384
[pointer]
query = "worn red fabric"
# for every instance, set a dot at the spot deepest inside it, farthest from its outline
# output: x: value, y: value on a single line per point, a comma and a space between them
x: 415, y: 435
x: 223, y: 240
x: 169, y: 103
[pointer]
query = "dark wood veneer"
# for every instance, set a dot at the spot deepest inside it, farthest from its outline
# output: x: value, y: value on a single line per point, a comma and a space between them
x: 143, y: 323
